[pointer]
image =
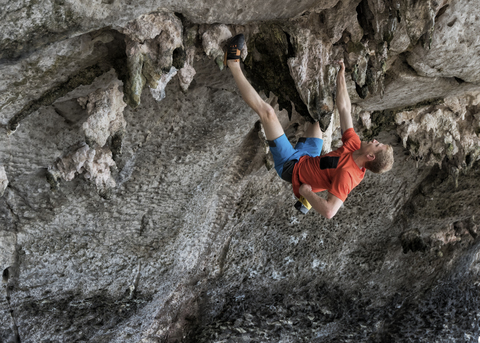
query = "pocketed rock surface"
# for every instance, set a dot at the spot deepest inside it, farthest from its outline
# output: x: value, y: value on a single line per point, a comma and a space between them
x: 139, y: 202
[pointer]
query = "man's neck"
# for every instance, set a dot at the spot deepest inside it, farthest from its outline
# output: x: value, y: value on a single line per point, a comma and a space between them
x: 359, y: 158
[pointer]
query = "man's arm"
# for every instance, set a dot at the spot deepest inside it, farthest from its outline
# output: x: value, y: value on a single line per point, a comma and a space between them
x: 343, y: 100
x: 327, y: 208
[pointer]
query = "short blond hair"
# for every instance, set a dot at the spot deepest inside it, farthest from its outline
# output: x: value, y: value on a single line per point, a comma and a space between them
x: 383, y: 161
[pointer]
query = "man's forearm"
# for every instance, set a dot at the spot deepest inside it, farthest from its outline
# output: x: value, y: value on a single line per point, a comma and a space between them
x: 320, y: 205
x: 344, y: 105
x: 343, y: 99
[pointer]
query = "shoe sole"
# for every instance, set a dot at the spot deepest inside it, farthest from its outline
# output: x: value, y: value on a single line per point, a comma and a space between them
x: 232, y: 50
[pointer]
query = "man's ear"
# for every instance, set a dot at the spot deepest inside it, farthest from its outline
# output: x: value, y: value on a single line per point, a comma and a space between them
x: 371, y: 157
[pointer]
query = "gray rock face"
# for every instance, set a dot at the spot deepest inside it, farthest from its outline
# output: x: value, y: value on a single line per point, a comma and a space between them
x: 29, y: 25
x: 3, y: 180
x: 138, y: 202
x: 456, y: 33
x: 105, y: 110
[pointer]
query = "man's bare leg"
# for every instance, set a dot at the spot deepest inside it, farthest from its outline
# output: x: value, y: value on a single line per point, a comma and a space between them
x: 313, y: 130
x: 271, y: 125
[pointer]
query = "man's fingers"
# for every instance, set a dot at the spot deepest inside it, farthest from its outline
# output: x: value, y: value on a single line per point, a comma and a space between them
x: 341, y: 64
x: 306, y: 186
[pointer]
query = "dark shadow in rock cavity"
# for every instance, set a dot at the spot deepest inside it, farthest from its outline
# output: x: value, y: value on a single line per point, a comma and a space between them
x: 412, y: 241
x: 5, y: 275
x: 267, y: 69
x: 365, y: 19
x: 117, y: 56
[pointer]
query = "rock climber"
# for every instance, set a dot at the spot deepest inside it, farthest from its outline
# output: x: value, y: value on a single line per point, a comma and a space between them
x: 337, y: 172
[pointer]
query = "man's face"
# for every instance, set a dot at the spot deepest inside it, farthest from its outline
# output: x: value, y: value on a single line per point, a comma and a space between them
x: 372, y: 147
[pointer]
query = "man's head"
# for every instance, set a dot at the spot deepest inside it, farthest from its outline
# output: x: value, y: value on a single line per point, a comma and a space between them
x: 379, y: 156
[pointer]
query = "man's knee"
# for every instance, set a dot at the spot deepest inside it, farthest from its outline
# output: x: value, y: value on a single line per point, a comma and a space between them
x: 271, y: 124
x: 269, y: 113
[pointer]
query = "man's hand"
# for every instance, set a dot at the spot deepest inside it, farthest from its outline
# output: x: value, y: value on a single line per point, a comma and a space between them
x: 327, y: 208
x: 305, y: 188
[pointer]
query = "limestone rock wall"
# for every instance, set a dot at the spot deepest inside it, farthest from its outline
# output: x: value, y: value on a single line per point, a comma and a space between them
x: 138, y: 202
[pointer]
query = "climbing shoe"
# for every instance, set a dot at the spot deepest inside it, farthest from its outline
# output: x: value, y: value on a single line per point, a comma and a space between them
x: 234, y: 48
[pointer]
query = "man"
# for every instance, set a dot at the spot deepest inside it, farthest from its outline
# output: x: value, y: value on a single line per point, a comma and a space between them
x: 339, y: 171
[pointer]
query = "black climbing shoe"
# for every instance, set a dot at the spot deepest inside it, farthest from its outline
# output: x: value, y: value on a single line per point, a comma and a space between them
x: 234, y: 48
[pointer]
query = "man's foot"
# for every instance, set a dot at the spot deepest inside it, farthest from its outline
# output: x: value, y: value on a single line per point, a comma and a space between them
x: 234, y: 49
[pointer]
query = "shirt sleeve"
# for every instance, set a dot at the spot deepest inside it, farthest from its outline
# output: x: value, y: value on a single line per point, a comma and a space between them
x: 351, y: 141
x: 342, y: 185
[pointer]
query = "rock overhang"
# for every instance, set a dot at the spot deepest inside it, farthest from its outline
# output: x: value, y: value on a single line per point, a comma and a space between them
x: 185, y: 196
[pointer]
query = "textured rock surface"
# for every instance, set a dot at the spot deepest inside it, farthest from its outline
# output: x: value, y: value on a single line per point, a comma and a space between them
x: 138, y: 203
x: 3, y: 180
x: 448, y: 131
x: 456, y: 33
x: 105, y: 114
x: 151, y: 41
x: 47, y: 74
x: 28, y: 25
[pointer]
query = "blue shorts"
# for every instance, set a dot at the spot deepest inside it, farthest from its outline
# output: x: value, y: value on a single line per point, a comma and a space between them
x: 283, y: 150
